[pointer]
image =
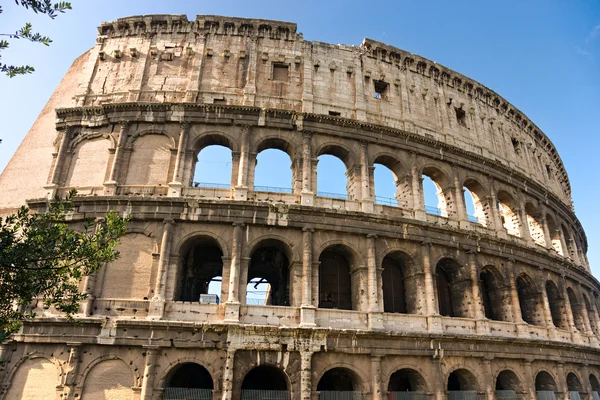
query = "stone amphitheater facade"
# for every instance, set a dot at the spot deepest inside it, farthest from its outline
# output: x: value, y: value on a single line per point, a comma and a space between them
x: 384, y: 301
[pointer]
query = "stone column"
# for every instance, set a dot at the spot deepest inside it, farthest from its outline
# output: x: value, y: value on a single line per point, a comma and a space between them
x: 568, y: 309
x: 562, y: 381
x: 232, y: 306
x: 547, y: 237
x: 89, y: 282
x: 547, y: 309
x: 563, y: 243
x: 459, y: 200
x: 585, y: 314
x: 576, y: 259
x: 157, y: 306
x: 525, y: 234
x: 110, y: 186
x: 307, y: 193
x: 514, y: 294
x: 228, y: 375
x: 366, y: 200
x: 71, y: 370
x: 54, y: 181
x: 148, y: 377
x: 376, y: 377
x: 430, y: 293
x: 490, y: 390
x: 440, y: 382
x: 307, y: 311
x: 417, y: 188
x: 375, y: 317
x: 306, y: 375
x: 181, y: 150
x: 241, y: 190
x: 478, y: 312
x: 529, y: 383
x: 496, y: 217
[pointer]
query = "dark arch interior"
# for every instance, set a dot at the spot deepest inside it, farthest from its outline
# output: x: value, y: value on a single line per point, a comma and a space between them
x: 555, y: 302
x: 337, y: 379
x: 451, y: 288
x: 461, y: 380
x: 573, y: 383
x: 190, y: 375
x: 528, y: 299
x: 406, y: 380
x: 594, y: 383
x: 544, y: 382
x: 335, y: 289
x: 202, y: 261
x: 507, y: 380
x: 265, y: 377
x: 394, y: 288
x: 491, y: 295
x: 271, y: 263
x: 576, y: 310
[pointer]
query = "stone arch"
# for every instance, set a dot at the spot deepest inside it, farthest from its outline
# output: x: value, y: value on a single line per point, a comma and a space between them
x: 574, y: 383
x: 34, y: 377
x: 210, y: 138
x: 481, y: 203
x: 81, y: 172
x: 571, y: 250
x: 345, y: 374
x: 576, y: 309
x: 402, y: 178
x: 153, y: 130
x: 212, y: 368
x: 406, y: 379
x: 529, y: 300
x: 594, y: 384
x: 536, y: 230
x: 266, y: 377
x: 290, y: 246
x: 509, y: 214
x: 285, y: 146
x: 555, y: 238
x: 352, y: 174
x: 188, y: 379
x: 507, y: 379
x: 461, y: 379
x: 544, y: 381
x: 200, y: 261
x: 201, y: 142
x: 591, y: 312
x: 445, y: 197
x: 391, y: 161
x: 91, y: 136
x: 400, y: 284
x: 108, y: 379
x: 496, y: 300
x: 276, y: 142
x: 338, y: 150
x: 453, y: 288
x: 179, y: 246
x: 129, y: 276
x: 337, y: 283
x: 270, y: 262
x: 150, y: 160
x: 557, y: 305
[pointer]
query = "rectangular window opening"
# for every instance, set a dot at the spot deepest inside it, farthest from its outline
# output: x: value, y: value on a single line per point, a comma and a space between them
x: 280, y: 72
x: 381, y: 89
x: 461, y: 116
x: 335, y: 113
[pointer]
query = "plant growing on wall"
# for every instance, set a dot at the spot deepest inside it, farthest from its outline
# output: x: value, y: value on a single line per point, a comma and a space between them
x: 44, y: 257
x: 26, y: 32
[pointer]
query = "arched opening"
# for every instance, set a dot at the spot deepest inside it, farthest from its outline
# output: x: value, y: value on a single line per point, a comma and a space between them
x: 452, y: 288
x: 201, y: 271
x: 274, y: 171
x: 508, y: 214
x: 269, y: 274
x: 574, y: 386
x: 462, y: 385
x: 492, y: 294
x: 529, y: 300
x: 212, y: 168
x: 265, y: 382
x: 576, y: 310
x: 545, y: 386
x: 436, y: 201
x: 335, y: 284
x: 189, y: 381
x: 571, y: 248
x: 477, y: 207
x: 399, y: 288
x: 557, y: 305
x: 338, y: 383
x: 406, y: 380
x: 333, y: 178
x: 554, y: 235
x: 507, y: 385
x: 392, y: 185
x: 536, y: 229
x: 595, y: 385
x: 591, y: 314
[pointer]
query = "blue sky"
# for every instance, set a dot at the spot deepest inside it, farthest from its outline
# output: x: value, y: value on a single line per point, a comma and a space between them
x: 541, y: 55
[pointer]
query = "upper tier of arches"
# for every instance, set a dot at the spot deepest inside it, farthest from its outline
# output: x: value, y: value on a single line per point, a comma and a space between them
x: 372, y: 83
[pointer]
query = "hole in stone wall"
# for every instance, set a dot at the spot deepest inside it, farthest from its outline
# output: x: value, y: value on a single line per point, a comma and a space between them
x: 406, y: 380
x: 461, y: 116
x: 268, y: 275
x: 507, y: 380
x: 213, y: 167
x: 381, y: 89
x: 335, y: 113
x: 202, y: 264
x: 335, y: 288
x: 516, y: 145
x: 190, y: 375
x: 281, y: 72
x: 545, y: 382
x: 265, y: 377
x: 337, y: 379
x: 556, y: 305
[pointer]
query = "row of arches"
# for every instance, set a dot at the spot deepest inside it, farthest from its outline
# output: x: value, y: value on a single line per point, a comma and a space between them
x: 148, y: 158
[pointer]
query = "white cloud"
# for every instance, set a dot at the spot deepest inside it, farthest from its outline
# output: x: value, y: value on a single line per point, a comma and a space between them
x: 593, y: 34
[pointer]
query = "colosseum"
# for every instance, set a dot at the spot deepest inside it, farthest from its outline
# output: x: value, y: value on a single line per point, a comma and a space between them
x: 367, y: 299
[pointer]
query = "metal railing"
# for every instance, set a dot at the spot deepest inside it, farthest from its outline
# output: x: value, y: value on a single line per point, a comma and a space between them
x: 333, y: 195
x: 272, y: 189
x: 248, y: 394
x: 574, y: 395
x: 462, y: 395
x: 545, y: 395
x: 433, y: 210
x: 407, y: 396
x: 506, y: 395
x: 386, y: 201
x: 173, y: 393
x: 340, y: 395
x: 209, y: 185
x: 595, y: 395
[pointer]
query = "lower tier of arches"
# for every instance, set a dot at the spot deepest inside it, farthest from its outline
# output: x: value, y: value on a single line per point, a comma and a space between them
x: 149, y: 361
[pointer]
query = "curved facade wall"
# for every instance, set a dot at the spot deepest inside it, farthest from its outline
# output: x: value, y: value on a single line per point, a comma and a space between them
x: 366, y: 298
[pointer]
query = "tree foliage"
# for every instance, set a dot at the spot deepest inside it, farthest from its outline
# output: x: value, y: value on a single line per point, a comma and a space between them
x: 42, y: 256
x: 45, y: 7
